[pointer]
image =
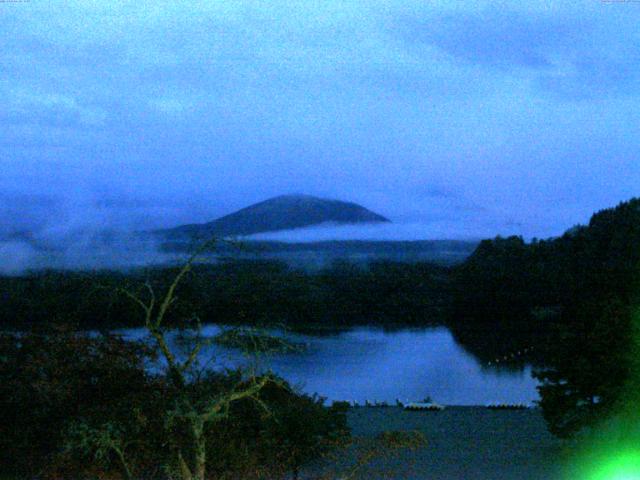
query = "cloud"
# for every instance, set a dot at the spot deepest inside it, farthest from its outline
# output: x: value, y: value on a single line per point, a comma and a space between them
x: 496, y: 38
x: 15, y: 257
x: 573, y: 55
x: 437, y: 229
x: 81, y: 252
x: 169, y: 106
x: 42, y: 231
x: 594, y: 76
x: 47, y: 109
x: 24, y: 212
x: 141, y: 115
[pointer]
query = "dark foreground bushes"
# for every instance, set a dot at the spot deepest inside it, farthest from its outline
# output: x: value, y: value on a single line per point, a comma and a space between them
x: 78, y: 406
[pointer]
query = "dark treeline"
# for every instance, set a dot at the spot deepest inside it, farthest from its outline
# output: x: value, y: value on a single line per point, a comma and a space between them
x: 235, y: 292
x: 507, y: 296
x: 571, y: 298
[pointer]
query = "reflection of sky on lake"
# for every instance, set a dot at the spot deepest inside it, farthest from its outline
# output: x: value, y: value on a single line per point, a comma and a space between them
x: 371, y: 364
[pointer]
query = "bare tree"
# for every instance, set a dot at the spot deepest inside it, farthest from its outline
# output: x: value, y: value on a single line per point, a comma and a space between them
x: 200, y: 415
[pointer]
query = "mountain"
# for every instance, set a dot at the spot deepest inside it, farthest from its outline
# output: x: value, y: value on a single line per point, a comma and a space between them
x: 285, y: 212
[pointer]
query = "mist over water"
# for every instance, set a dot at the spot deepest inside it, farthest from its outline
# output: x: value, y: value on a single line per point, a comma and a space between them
x: 102, y: 228
x: 438, y: 230
x: 92, y: 242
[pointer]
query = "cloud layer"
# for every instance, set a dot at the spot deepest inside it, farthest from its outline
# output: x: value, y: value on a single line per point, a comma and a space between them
x: 135, y: 115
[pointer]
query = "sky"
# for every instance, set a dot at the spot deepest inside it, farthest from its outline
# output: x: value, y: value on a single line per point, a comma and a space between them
x: 451, y: 118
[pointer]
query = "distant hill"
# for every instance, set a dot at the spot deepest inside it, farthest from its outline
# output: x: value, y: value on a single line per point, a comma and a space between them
x: 285, y: 212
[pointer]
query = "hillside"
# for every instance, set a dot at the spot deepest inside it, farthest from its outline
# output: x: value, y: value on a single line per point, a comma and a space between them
x: 285, y: 212
x: 509, y: 285
x: 572, y: 302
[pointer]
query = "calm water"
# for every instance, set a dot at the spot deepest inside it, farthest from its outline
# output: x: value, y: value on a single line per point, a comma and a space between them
x: 376, y: 365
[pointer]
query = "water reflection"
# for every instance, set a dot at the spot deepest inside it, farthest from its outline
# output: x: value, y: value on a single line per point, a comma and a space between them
x: 373, y: 364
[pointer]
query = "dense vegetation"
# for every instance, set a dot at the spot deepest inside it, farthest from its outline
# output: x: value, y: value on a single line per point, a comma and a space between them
x: 236, y: 292
x: 86, y: 405
x: 77, y: 406
x: 572, y: 299
x: 567, y: 302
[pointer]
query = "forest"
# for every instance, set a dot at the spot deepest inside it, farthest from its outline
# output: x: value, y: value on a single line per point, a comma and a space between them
x: 570, y: 300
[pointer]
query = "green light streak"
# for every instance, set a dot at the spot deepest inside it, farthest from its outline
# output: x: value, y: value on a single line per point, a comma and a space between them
x: 612, y: 450
x: 625, y: 466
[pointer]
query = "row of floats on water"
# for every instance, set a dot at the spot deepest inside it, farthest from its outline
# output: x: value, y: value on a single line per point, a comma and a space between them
x: 435, y: 407
x: 511, y: 357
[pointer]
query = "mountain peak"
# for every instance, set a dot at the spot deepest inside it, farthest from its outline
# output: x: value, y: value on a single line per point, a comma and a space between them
x: 283, y: 212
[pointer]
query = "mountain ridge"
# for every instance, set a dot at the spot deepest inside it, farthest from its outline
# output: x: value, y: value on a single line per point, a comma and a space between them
x: 283, y: 212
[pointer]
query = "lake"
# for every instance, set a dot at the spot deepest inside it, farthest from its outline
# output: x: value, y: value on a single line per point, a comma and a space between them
x: 369, y: 363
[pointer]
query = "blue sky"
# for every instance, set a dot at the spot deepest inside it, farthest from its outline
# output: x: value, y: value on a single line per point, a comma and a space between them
x: 451, y: 118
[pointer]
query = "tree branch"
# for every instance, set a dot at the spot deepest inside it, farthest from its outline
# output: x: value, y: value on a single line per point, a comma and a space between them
x: 234, y: 396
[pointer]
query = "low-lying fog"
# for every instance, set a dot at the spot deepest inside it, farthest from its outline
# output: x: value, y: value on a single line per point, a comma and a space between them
x: 80, y: 233
x: 437, y: 230
x: 81, y: 252
x: 121, y: 249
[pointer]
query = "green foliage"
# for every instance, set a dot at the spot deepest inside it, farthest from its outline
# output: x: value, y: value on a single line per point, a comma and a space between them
x: 51, y: 378
x: 500, y: 289
x: 234, y: 292
x: 572, y: 298
x: 296, y: 430
x: 589, y: 370
x: 375, y: 456
x: 80, y: 406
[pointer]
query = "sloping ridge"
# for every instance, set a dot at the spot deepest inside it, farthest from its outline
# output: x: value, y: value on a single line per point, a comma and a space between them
x: 285, y: 212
